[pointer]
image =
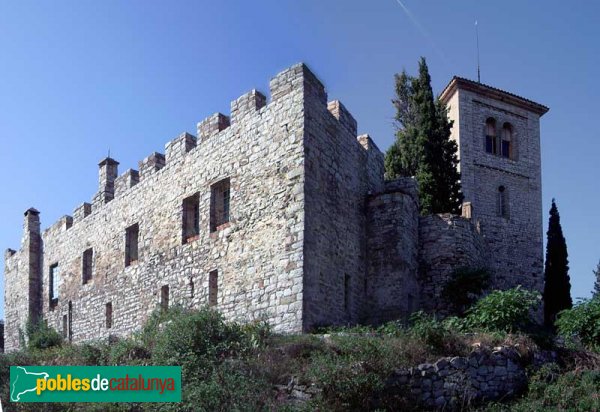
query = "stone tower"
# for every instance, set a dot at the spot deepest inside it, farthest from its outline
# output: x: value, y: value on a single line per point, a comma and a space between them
x: 498, y: 135
x: 22, y: 293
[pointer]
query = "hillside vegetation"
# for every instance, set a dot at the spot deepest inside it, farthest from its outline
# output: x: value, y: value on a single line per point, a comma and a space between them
x: 228, y: 366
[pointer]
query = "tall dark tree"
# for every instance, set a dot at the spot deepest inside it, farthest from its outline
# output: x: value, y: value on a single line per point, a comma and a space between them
x: 597, y: 282
x: 557, y: 284
x: 423, y: 147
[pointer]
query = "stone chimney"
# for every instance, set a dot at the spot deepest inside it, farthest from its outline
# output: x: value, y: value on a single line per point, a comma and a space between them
x: 107, y: 175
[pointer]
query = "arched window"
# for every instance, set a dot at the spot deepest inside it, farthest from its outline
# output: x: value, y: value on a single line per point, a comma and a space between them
x: 506, y: 147
x: 491, y: 144
x: 502, y: 202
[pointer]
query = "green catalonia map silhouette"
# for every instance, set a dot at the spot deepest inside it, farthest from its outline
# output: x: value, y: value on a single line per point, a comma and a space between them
x: 24, y: 382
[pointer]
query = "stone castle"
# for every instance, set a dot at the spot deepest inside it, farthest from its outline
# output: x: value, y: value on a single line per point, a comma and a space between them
x: 280, y: 212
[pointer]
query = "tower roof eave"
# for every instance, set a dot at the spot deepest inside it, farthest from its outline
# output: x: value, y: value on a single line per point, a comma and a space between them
x: 492, y: 92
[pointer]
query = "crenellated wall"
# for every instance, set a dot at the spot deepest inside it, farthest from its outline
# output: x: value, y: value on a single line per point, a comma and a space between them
x: 314, y: 235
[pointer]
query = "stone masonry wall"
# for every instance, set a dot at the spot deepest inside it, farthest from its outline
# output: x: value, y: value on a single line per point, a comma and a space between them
x: 515, y: 241
x: 258, y: 254
x: 446, y: 243
x: 453, y: 383
x: 391, y: 287
x: 340, y: 170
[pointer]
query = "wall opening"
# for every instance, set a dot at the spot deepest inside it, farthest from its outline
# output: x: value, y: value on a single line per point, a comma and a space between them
x: 506, y: 146
x: 219, y: 204
x: 346, y: 292
x: 131, y: 244
x: 54, y: 283
x: 87, y: 266
x: 191, y: 288
x: 70, y: 322
x: 109, y: 315
x: 491, y: 143
x: 502, y: 202
x: 64, y: 326
x: 164, y: 297
x: 191, y: 218
x: 213, y: 287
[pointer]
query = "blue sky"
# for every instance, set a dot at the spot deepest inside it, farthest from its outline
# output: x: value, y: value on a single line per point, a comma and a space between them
x: 80, y: 77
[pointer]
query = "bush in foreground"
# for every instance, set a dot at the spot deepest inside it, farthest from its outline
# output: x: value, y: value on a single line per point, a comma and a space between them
x: 582, y: 322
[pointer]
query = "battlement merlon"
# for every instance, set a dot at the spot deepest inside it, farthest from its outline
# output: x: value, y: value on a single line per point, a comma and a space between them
x: 61, y: 225
x: 248, y: 103
x: 297, y: 78
x: 178, y: 147
x: 126, y: 181
x: 151, y: 164
x: 339, y: 111
x: 8, y: 253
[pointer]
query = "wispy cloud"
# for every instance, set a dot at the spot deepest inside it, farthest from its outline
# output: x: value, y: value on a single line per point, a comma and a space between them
x: 423, y: 31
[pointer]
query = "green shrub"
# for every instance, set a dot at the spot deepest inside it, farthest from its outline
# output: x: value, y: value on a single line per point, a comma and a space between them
x: 198, y: 340
x: 506, y: 311
x: 548, y: 391
x: 581, y: 322
x: 464, y: 288
x: 347, y: 382
x: 41, y: 336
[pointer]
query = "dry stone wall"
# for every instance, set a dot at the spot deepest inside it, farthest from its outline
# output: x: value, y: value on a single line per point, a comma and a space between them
x: 454, y: 382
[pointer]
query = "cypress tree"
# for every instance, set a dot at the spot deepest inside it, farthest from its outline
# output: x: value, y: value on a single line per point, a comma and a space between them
x: 423, y: 147
x: 557, y: 285
x: 596, y: 292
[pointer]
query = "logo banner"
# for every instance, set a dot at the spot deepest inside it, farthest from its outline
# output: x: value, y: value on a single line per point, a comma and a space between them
x: 95, y: 383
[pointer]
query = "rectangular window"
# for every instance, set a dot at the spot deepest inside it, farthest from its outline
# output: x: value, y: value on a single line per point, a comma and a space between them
x: 65, y: 327
x: 506, y: 149
x: 191, y: 218
x: 346, y: 292
x: 87, y: 266
x: 164, y: 297
x: 131, y: 244
x: 219, y: 204
x: 213, y: 287
x: 489, y: 144
x: 54, y: 283
x: 109, y: 315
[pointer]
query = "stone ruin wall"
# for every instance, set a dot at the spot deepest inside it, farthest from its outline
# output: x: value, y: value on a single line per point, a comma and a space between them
x: 391, y: 287
x: 446, y: 242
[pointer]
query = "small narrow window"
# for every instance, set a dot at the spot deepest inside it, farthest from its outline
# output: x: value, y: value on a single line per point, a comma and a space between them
x: 64, y: 326
x: 213, y: 287
x: 409, y: 303
x: 191, y: 218
x: 219, y: 204
x: 87, y: 266
x: 70, y: 322
x: 491, y: 144
x: 164, y: 297
x: 109, y: 315
x: 54, y: 283
x: 506, y: 140
x: 191, y: 288
x: 346, y: 292
x: 131, y: 244
x: 502, y: 202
